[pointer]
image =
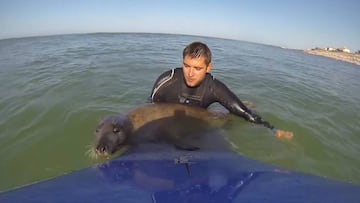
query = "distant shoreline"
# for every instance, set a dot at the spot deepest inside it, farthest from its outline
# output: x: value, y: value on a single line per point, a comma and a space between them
x: 342, y: 56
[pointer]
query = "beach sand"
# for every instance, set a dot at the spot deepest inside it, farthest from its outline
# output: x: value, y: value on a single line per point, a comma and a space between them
x: 343, y: 56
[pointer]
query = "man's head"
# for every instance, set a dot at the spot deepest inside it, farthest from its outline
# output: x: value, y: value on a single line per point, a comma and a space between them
x: 196, y: 63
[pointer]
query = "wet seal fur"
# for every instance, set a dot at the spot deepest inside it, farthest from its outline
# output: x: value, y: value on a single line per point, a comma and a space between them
x: 175, y: 124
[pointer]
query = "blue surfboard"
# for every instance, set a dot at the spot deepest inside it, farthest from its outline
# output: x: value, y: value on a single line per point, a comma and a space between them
x: 184, y: 176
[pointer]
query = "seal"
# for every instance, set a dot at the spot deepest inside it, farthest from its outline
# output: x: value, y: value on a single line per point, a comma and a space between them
x: 176, y: 124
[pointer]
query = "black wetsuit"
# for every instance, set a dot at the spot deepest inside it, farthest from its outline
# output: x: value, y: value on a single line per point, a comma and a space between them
x: 170, y: 87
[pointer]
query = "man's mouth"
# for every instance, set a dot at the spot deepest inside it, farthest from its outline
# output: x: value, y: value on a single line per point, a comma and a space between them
x: 191, y: 80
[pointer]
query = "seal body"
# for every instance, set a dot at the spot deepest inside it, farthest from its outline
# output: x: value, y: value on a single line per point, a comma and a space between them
x: 176, y: 124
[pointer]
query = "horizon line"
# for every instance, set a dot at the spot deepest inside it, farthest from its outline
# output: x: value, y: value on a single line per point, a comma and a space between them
x: 158, y: 33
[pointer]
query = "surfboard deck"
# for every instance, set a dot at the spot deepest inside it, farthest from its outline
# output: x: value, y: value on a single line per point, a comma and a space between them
x: 184, y: 176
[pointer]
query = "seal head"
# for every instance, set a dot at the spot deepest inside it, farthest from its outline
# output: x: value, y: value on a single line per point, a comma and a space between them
x: 111, y: 133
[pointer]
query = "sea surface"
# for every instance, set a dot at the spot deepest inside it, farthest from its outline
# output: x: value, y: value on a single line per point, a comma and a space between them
x: 54, y: 90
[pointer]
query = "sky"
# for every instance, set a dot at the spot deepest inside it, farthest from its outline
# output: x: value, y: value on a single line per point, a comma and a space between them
x: 295, y: 24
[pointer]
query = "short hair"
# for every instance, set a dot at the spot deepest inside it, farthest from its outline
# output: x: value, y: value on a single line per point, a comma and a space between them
x: 196, y: 50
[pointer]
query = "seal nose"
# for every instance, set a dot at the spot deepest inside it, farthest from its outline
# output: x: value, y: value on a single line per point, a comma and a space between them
x: 102, y: 149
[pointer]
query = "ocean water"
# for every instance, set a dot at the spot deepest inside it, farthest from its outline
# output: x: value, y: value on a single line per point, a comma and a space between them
x: 54, y: 90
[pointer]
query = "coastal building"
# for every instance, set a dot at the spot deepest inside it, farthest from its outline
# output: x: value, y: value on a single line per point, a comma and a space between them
x: 330, y: 49
x: 346, y: 50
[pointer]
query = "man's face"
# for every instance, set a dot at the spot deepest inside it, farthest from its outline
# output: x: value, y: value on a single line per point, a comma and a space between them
x: 194, y: 70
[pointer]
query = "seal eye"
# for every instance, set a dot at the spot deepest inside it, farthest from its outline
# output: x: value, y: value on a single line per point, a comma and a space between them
x: 116, y: 130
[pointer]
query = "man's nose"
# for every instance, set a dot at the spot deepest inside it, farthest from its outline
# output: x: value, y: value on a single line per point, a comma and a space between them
x: 191, y: 72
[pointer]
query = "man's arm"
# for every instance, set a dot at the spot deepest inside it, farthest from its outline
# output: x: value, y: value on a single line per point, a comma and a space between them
x: 231, y: 102
x: 162, y: 79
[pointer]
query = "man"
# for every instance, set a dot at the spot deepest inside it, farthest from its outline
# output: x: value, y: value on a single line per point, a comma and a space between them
x: 194, y: 85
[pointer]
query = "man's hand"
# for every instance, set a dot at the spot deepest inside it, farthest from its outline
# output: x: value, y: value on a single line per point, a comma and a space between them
x: 284, y: 134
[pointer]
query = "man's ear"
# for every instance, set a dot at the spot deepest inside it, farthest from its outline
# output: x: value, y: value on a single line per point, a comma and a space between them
x: 208, y: 68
